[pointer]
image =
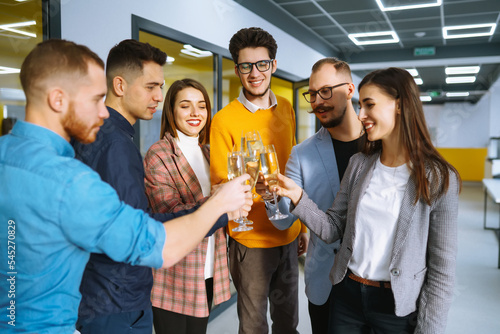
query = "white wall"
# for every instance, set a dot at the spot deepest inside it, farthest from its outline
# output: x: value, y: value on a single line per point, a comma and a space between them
x: 460, y: 124
x: 102, y: 24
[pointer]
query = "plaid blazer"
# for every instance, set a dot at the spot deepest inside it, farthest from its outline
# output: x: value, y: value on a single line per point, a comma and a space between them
x: 171, y: 185
x: 425, y: 246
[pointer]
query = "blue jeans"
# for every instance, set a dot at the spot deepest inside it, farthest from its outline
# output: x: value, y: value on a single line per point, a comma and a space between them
x: 136, y: 322
x: 360, y: 309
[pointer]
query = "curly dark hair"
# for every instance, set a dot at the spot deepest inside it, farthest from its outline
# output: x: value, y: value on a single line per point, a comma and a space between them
x: 252, y: 38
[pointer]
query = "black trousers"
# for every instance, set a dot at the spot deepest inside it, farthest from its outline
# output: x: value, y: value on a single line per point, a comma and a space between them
x: 320, y: 315
x: 361, y: 309
x: 166, y: 322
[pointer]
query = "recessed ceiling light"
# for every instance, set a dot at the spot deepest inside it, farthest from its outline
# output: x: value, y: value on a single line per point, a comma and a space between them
x: 413, y: 71
x: 420, y: 34
x: 465, y: 79
x: 8, y: 70
x: 170, y: 60
x: 419, y: 81
x: 457, y: 94
x: 414, y: 6
x: 478, y: 30
x: 368, y: 35
x: 425, y: 98
x: 462, y: 70
x: 10, y: 26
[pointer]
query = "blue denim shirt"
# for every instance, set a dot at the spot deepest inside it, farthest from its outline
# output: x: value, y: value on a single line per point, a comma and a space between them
x: 61, y: 211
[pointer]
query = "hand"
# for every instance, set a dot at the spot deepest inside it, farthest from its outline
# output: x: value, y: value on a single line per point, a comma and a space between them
x: 303, y: 243
x: 288, y: 188
x: 262, y: 188
x: 234, y: 195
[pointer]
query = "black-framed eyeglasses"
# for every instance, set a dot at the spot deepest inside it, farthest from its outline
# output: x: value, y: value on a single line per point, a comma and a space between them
x: 325, y: 93
x: 261, y: 65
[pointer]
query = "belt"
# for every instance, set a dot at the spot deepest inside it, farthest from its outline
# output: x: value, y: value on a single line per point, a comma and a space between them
x: 377, y: 284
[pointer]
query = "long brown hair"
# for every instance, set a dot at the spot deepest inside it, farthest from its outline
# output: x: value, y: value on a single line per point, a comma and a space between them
x: 414, y: 135
x: 168, y: 117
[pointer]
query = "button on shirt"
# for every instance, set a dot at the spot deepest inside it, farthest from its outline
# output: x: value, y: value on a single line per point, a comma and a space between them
x: 62, y: 211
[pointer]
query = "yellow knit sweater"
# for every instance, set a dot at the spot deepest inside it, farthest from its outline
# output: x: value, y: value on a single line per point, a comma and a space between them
x: 276, y: 126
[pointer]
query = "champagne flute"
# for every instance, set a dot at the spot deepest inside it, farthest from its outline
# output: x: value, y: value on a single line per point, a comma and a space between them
x: 235, y: 168
x: 254, y: 148
x: 254, y: 142
x: 271, y: 169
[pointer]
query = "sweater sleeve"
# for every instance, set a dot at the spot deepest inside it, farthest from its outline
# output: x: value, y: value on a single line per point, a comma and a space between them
x: 220, y: 143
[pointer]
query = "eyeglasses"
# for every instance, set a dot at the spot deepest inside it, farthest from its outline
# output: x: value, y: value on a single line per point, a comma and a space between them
x: 261, y: 65
x: 325, y: 93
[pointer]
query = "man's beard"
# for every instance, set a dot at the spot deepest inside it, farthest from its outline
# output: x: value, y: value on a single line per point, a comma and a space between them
x: 330, y: 123
x: 76, y: 129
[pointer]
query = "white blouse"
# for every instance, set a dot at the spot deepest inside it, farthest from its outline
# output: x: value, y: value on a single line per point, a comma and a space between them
x: 375, y: 226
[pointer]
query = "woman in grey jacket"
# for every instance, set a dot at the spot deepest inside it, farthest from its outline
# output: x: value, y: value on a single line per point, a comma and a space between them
x: 396, y: 213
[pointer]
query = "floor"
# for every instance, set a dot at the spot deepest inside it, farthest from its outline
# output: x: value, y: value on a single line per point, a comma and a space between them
x: 476, y: 305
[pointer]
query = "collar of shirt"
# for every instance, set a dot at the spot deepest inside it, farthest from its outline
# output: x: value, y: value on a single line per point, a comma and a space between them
x: 252, y: 107
x: 45, y: 136
x: 121, y: 122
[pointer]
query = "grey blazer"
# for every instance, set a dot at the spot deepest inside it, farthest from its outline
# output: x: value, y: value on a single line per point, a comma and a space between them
x: 312, y: 165
x: 425, y: 246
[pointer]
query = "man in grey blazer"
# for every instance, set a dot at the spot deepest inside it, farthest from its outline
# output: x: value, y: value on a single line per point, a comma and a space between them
x: 317, y: 165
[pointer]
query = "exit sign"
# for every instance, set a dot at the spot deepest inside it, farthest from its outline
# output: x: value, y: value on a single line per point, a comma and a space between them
x: 425, y: 51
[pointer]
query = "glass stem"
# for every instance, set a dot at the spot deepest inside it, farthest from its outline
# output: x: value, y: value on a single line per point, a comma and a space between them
x: 276, y: 203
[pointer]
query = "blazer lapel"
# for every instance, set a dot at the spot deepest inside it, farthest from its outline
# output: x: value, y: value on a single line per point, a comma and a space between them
x: 405, y: 216
x: 362, y: 180
x: 324, y: 145
x: 188, y: 175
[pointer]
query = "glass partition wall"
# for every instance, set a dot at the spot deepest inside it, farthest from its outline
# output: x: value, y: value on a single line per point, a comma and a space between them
x: 21, y: 28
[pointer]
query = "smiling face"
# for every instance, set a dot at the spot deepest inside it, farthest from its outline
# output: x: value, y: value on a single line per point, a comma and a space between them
x: 330, y: 112
x: 256, y: 84
x: 379, y: 113
x: 190, y: 111
x: 86, y: 110
x: 143, y: 93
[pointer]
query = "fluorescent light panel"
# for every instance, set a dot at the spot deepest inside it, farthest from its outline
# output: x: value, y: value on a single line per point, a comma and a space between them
x: 192, y: 51
x: 425, y: 98
x: 457, y: 94
x: 393, y: 38
x: 419, y: 81
x: 462, y: 70
x: 404, y: 7
x: 9, y: 70
x: 476, y: 27
x: 10, y: 26
x: 413, y: 71
x: 464, y: 79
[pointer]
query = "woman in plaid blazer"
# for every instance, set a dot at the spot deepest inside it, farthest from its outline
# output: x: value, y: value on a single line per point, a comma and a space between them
x: 396, y: 213
x: 177, y: 177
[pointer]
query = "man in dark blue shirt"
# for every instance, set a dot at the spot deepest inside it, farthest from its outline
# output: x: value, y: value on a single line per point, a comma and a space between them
x: 116, y: 296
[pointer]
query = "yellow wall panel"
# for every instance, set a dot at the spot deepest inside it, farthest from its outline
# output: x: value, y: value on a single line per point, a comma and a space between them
x: 468, y: 161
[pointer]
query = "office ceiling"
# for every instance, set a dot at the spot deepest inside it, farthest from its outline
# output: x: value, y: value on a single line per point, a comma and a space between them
x: 326, y: 25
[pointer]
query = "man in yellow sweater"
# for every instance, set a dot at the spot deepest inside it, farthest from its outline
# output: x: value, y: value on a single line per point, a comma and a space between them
x: 263, y: 261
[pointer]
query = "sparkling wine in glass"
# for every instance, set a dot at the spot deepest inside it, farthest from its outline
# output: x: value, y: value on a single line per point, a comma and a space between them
x: 235, y: 168
x: 271, y: 169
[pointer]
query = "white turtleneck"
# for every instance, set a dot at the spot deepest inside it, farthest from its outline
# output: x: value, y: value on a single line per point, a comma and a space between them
x: 194, y: 156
